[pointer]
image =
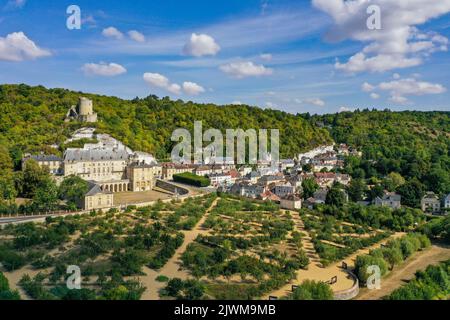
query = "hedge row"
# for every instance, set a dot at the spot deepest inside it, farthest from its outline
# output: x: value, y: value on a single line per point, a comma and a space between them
x: 192, y: 179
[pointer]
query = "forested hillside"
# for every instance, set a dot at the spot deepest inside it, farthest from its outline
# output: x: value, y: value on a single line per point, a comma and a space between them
x: 33, y: 117
x: 413, y: 144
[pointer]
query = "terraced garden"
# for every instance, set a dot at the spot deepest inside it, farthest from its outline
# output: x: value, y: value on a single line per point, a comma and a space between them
x: 110, y: 248
x: 247, y: 249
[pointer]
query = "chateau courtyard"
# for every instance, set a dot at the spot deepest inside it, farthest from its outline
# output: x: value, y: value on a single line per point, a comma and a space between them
x: 129, y: 198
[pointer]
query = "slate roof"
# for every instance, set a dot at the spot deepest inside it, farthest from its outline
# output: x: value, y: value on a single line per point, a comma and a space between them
x: 43, y: 157
x: 95, y: 155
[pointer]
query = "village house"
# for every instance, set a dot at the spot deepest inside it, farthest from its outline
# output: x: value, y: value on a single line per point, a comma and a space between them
x: 53, y: 163
x: 218, y: 179
x: 447, y: 202
x: 320, y: 195
x: 96, y: 198
x: 389, y: 199
x: 269, y: 196
x: 269, y: 179
x: 283, y: 190
x: 170, y: 169
x: 253, y: 177
x: 291, y: 202
x: 247, y: 190
x: 430, y: 203
x: 343, y: 179
x: 325, y: 179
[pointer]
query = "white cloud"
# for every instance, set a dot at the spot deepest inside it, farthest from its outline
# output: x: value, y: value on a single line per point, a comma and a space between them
x: 367, y: 87
x: 17, y: 47
x: 346, y: 109
x: 162, y: 82
x: 399, y: 89
x: 15, y: 4
x: 112, y: 32
x: 136, y: 36
x: 236, y: 103
x: 396, y: 76
x: 245, y: 69
x: 271, y: 105
x: 157, y: 80
x: 266, y: 56
x: 399, y: 44
x: 315, y: 102
x: 201, y: 45
x: 174, y: 88
x: 103, y: 69
x: 192, y: 88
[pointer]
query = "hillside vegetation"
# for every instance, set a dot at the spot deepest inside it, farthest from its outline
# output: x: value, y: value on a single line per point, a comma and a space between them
x: 413, y: 144
x: 33, y: 117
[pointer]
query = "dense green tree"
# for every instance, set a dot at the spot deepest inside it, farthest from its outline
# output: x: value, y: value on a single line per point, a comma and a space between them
x: 309, y: 187
x: 336, y: 196
x: 412, y: 193
x: 73, y: 189
x: 312, y: 290
x: 357, y: 189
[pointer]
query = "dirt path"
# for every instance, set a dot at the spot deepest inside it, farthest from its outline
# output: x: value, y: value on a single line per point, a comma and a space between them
x: 172, y: 269
x: 316, y: 271
x: 404, y: 273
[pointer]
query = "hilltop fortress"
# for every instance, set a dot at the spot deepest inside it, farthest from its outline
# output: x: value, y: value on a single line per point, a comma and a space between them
x: 82, y: 112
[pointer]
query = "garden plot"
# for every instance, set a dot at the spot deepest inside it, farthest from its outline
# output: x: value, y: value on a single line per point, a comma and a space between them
x: 110, y: 249
x: 334, y: 239
x: 248, y: 248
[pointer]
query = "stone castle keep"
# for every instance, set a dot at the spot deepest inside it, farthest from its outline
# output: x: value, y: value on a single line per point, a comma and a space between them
x: 83, y: 111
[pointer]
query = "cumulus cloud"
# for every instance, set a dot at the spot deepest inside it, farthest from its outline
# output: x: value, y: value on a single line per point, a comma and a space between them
x: 400, y: 89
x: 201, y: 45
x: 399, y: 44
x: 314, y: 101
x: 192, y: 88
x: 266, y: 56
x: 103, y: 69
x: 17, y: 47
x: 367, y: 87
x: 136, y: 36
x: 162, y: 82
x: 245, y: 69
x: 236, y: 103
x: 112, y: 32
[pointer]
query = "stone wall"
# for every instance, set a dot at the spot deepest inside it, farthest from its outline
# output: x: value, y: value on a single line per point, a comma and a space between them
x: 351, y: 293
x: 171, y: 187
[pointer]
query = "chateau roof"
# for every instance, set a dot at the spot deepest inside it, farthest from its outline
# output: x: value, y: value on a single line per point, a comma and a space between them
x: 95, y: 189
x: 95, y: 155
x: 43, y: 157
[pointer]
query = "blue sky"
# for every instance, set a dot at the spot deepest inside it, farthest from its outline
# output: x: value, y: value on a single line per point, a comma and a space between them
x: 299, y: 56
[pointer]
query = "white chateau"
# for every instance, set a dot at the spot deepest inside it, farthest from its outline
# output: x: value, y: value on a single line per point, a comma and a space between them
x: 108, y: 165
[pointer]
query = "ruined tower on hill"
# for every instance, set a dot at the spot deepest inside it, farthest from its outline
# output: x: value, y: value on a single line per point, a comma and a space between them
x: 83, y: 111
